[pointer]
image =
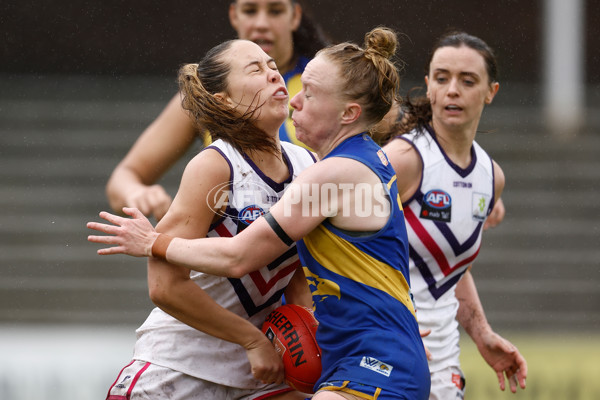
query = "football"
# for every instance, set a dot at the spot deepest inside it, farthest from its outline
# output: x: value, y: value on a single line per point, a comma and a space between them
x: 292, y: 329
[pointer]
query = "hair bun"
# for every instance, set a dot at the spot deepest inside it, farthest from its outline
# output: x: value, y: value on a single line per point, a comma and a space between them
x: 382, y: 42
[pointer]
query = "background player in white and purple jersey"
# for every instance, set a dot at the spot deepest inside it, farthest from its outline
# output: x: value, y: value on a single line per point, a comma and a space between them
x: 448, y: 186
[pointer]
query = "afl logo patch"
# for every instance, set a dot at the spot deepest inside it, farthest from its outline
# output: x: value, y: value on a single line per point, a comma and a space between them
x: 437, y: 199
x: 436, y: 206
x: 250, y: 214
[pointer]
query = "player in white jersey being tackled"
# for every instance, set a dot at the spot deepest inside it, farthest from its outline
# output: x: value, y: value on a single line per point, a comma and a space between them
x: 448, y: 185
x: 203, y: 341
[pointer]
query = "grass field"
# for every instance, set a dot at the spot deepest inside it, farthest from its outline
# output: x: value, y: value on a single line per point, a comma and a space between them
x: 560, y: 367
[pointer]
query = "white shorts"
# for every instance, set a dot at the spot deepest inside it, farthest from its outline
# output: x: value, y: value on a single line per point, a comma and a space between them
x: 143, y: 380
x: 447, y: 384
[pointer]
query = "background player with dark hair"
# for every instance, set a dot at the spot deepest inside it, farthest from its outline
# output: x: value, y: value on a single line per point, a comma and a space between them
x: 448, y: 185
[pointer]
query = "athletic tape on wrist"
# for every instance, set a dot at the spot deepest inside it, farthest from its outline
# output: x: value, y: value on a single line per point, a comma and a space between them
x: 160, y: 246
x: 278, y: 229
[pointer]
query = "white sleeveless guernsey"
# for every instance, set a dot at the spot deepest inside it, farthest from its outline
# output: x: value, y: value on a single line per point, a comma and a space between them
x: 165, y: 341
x: 444, y: 222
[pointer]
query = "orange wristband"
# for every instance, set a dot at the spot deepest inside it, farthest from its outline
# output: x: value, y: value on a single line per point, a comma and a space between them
x: 160, y: 245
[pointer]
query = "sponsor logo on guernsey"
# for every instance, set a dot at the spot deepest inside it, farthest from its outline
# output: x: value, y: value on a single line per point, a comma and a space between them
x: 250, y: 214
x: 375, y: 365
x: 480, y: 206
x: 437, y: 206
x: 465, y: 185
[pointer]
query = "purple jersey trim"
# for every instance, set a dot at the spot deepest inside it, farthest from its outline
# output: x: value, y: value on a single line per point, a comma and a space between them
x: 277, y: 186
x: 460, y: 171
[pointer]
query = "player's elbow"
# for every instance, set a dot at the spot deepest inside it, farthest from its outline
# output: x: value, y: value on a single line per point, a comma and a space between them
x: 238, y: 264
x: 163, y: 284
x: 158, y: 294
x: 237, y: 268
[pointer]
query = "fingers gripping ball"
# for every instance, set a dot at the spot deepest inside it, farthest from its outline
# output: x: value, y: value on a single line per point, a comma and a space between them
x: 292, y: 329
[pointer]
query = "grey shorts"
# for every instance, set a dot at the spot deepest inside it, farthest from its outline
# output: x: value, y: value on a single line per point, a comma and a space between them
x: 143, y: 380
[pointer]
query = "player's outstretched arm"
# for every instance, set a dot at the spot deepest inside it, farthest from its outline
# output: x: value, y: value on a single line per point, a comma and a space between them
x: 132, y: 236
x: 499, y: 353
x: 234, y: 257
x: 251, y: 249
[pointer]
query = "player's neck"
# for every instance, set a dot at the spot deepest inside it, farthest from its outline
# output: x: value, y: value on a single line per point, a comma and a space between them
x: 272, y: 165
x: 456, y: 142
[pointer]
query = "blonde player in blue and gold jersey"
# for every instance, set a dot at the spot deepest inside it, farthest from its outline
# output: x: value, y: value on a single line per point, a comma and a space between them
x: 284, y: 32
x: 344, y: 212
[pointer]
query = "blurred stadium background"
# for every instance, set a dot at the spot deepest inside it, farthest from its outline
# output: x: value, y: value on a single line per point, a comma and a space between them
x: 79, y: 81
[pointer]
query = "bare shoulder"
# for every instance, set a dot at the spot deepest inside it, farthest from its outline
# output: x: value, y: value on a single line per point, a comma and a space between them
x: 402, y: 154
x: 499, y: 179
x: 208, y: 166
x: 206, y: 176
x: 408, y: 166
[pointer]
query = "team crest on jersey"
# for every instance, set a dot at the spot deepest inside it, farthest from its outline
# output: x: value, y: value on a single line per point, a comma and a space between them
x: 321, y: 288
x: 480, y: 206
x: 250, y: 214
x: 436, y: 206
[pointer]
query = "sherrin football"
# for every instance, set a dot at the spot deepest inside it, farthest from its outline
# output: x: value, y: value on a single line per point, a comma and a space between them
x: 292, y: 329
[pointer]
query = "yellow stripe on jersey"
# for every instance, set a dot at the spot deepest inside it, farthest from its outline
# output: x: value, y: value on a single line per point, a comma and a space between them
x: 391, y: 182
x: 343, y: 258
x: 389, y: 186
x: 356, y: 393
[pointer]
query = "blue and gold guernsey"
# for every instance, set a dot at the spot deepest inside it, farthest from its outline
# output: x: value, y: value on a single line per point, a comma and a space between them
x: 367, y: 331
